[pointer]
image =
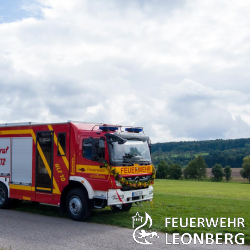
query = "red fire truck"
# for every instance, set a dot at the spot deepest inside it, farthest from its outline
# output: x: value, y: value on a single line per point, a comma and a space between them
x: 77, y: 166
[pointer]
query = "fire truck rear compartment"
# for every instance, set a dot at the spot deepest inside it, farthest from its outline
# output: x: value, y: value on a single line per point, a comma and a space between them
x: 18, y: 163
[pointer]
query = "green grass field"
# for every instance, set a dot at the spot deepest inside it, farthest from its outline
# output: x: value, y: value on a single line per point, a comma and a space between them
x: 184, y: 199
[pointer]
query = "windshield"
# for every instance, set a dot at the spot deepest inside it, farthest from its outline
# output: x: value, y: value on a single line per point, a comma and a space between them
x: 130, y: 152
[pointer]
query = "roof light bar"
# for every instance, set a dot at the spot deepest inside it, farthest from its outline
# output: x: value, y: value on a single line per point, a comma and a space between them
x: 107, y: 128
x: 133, y: 130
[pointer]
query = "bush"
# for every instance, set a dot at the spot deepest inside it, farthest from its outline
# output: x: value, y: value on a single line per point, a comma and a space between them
x: 196, y: 169
x: 162, y: 170
x: 245, y: 172
x: 217, y: 172
x: 227, y: 173
x: 175, y: 171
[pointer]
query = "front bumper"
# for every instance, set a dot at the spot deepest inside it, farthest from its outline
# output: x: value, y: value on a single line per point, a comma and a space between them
x: 129, y: 196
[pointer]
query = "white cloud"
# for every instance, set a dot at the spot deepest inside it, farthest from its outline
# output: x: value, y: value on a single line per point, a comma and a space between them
x: 130, y: 64
x: 202, y: 112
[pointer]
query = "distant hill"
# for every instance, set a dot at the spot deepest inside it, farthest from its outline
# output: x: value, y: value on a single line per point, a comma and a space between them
x: 225, y: 152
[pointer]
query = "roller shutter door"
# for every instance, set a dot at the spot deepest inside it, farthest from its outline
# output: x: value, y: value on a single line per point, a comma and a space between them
x: 21, y: 160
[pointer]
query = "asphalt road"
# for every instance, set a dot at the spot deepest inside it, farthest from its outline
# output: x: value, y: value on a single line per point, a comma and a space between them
x: 20, y: 230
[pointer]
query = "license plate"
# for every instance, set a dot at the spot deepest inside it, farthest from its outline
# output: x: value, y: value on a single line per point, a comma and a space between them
x: 138, y: 193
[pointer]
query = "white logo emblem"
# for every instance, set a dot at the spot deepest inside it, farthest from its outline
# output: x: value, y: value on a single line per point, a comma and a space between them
x: 143, y: 234
x: 137, y: 178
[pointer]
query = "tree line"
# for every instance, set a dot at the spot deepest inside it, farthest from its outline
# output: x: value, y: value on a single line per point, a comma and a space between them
x: 197, y: 170
x: 212, y: 155
x: 201, y: 146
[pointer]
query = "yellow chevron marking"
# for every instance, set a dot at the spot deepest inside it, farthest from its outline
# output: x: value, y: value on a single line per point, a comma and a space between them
x: 44, y: 159
x: 56, y: 189
x: 66, y: 162
x: 17, y: 132
x: 31, y: 132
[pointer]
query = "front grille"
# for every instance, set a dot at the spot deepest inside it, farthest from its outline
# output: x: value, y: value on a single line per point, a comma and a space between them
x: 143, y: 178
x: 124, y: 188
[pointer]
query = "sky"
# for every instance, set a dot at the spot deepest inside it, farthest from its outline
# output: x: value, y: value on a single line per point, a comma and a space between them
x: 178, y: 68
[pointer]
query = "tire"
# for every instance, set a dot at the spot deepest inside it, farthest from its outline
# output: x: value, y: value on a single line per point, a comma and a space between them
x: 4, y: 199
x: 78, y: 205
x: 126, y: 208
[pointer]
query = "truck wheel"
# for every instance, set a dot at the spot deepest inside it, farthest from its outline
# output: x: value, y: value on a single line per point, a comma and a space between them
x: 4, y: 199
x: 78, y: 205
x: 126, y: 207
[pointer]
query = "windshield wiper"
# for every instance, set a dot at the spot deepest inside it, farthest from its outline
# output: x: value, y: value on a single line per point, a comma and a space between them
x: 128, y: 161
x: 144, y: 160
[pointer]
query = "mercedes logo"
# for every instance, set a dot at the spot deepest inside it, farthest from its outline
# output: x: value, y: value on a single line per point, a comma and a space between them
x: 137, y: 179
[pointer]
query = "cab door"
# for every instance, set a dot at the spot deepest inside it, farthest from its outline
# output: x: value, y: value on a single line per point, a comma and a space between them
x: 44, y: 161
x: 97, y: 175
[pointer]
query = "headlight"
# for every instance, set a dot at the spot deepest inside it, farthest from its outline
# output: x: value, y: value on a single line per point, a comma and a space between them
x: 115, y: 197
x: 150, y: 191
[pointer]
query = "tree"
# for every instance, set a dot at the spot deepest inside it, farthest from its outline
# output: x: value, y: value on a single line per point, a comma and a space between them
x: 196, y: 169
x: 175, y: 171
x: 185, y: 173
x: 201, y: 167
x: 227, y: 173
x: 162, y: 170
x: 245, y: 172
x: 217, y: 172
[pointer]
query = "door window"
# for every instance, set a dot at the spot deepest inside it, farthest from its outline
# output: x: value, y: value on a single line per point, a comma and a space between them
x: 44, y: 153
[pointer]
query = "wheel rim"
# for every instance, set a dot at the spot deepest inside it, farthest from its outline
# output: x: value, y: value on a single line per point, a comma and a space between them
x: 75, y: 205
x: 2, y: 196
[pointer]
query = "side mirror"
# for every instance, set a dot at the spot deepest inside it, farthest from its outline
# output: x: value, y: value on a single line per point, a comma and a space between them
x: 149, y: 145
x: 122, y: 142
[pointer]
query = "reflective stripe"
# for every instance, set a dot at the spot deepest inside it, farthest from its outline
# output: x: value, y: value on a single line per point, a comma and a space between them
x: 21, y: 187
x: 44, y: 159
x: 31, y: 132
x: 66, y: 162
x: 16, y: 132
x: 124, y: 170
x: 42, y: 188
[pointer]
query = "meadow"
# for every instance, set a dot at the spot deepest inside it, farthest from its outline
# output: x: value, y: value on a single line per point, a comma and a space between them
x: 173, y: 198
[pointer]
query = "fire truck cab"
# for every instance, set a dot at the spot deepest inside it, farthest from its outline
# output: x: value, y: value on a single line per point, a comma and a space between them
x: 75, y: 165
